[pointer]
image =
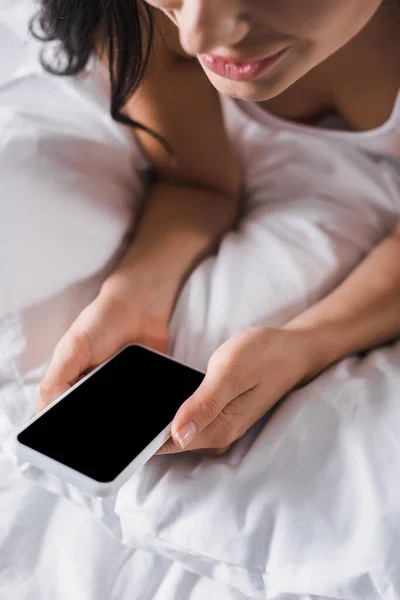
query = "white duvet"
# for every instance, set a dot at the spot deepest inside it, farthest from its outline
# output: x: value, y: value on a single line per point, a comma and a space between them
x: 306, y: 506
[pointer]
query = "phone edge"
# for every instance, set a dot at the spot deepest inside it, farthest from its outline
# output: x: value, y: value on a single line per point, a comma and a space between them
x: 74, y: 477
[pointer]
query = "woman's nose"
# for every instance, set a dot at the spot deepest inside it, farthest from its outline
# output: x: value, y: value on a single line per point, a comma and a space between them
x: 206, y: 25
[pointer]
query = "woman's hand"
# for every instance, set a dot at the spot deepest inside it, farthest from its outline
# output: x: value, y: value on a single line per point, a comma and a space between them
x: 246, y: 376
x: 120, y: 315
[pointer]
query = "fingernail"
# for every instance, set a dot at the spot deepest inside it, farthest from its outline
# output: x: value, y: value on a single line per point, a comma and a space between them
x: 185, y: 434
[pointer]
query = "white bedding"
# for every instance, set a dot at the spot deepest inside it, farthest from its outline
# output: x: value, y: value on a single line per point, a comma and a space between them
x: 306, y: 505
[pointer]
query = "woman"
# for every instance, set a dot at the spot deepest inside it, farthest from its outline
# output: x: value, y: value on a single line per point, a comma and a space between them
x: 298, y: 60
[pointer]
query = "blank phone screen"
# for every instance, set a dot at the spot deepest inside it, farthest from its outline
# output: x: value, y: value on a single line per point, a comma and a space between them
x: 102, y: 425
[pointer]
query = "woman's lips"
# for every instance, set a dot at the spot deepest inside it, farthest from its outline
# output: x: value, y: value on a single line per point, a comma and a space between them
x: 239, y: 71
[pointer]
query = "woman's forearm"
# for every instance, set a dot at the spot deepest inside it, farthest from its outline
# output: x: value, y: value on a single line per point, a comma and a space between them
x: 363, y: 312
x: 179, y: 226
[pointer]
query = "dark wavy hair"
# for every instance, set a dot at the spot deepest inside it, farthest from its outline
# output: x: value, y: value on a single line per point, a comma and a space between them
x: 122, y: 29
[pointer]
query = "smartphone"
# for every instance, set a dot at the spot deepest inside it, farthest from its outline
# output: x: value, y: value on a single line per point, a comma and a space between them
x: 110, y: 423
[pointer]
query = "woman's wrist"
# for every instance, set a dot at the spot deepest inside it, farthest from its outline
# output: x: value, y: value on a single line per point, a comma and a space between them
x: 321, y: 345
x: 139, y: 288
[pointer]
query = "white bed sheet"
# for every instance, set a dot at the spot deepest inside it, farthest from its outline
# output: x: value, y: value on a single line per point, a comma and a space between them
x: 304, y: 507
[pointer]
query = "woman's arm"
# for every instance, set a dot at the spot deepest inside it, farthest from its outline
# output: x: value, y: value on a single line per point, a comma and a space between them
x: 363, y: 312
x: 193, y: 199
x: 248, y: 374
x: 180, y: 225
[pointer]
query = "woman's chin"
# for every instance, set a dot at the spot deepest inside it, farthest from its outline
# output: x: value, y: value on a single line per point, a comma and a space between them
x: 258, y: 90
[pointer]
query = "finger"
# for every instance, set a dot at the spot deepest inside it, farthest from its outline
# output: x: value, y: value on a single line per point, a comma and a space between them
x: 230, y: 425
x: 199, y: 445
x: 87, y: 343
x: 171, y: 448
x: 71, y: 358
x: 201, y: 409
x: 219, y: 435
x: 223, y: 382
x: 45, y: 399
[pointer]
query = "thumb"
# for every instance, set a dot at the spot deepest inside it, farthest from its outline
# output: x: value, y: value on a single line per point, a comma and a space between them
x: 71, y: 358
x: 93, y: 337
x: 204, y: 406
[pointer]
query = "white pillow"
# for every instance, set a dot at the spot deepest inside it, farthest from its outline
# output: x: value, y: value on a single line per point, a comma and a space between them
x: 70, y: 182
x: 70, y: 186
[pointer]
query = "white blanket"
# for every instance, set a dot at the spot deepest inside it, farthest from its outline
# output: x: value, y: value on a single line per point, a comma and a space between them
x: 306, y: 505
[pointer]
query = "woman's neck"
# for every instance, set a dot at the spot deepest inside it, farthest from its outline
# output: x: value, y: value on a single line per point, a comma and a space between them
x: 360, y: 82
